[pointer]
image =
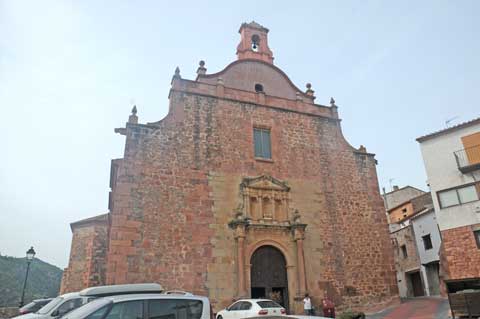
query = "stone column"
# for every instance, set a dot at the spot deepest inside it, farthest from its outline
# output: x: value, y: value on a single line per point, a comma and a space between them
x: 298, y: 236
x: 240, y: 237
x: 301, y: 266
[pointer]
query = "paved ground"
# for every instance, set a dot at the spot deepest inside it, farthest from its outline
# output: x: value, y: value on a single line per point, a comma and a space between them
x: 417, y: 308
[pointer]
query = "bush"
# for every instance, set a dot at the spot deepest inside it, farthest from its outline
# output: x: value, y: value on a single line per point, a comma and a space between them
x: 352, y: 315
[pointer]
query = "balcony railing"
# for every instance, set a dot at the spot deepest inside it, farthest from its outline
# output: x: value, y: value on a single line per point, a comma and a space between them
x: 468, y: 159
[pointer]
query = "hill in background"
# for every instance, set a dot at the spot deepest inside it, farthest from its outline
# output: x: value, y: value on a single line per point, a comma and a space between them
x: 43, y: 280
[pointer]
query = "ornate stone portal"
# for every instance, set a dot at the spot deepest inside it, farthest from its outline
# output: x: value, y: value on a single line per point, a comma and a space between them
x: 265, y: 218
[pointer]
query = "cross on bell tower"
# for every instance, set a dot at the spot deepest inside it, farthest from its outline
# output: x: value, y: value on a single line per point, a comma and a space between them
x: 254, y: 43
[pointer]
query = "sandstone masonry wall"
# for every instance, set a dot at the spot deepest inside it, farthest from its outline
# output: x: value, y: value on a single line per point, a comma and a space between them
x: 461, y: 253
x: 178, y: 187
x: 86, y: 267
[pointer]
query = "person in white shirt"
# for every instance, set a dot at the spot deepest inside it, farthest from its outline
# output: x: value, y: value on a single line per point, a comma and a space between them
x: 307, y: 305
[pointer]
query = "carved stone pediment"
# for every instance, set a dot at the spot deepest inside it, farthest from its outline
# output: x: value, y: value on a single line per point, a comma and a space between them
x: 265, y: 182
x: 265, y: 199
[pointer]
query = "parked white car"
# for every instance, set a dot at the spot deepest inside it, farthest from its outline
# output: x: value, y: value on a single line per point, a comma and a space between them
x: 246, y: 308
x: 143, y: 306
x: 67, y: 302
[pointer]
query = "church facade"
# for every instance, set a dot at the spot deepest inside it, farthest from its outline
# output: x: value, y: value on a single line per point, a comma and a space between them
x: 247, y: 188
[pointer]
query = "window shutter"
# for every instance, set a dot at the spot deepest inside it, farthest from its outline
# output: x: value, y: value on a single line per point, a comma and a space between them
x: 257, y: 137
x: 267, y: 152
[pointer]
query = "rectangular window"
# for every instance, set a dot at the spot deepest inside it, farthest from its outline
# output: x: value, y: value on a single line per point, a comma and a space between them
x: 457, y: 196
x: 477, y: 237
x: 262, y: 143
x: 467, y: 194
x: 448, y: 198
x: 427, y: 242
x: 404, y: 251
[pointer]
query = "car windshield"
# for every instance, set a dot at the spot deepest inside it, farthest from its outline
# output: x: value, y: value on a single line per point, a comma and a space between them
x: 49, y: 306
x: 268, y: 304
x: 87, y: 309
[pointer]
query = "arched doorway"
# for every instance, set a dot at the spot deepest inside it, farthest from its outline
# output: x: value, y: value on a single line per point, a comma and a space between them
x: 269, y: 275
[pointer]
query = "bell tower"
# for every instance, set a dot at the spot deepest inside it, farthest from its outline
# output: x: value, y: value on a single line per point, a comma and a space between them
x: 254, y: 43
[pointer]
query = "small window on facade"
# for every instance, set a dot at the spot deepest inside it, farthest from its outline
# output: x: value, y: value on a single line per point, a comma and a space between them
x: 427, y: 242
x: 477, y: 237
x: 467, y: 194
x: 457, y: 196
x: 262, y: 143
x: 404, y: 251
x: 258, y: 88
x: 448, y: 198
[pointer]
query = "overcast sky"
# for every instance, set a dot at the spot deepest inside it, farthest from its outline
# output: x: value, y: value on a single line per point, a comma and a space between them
x: 71, y: 70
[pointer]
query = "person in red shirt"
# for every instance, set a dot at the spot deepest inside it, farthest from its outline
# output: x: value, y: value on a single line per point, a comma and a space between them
x: 328, y: 306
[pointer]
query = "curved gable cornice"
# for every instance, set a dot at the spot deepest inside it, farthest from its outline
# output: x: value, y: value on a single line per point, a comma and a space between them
x: 275, y: 68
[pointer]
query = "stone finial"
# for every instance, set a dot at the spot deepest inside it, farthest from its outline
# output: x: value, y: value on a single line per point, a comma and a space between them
x: 332, y: 101
x: 133, y: 118
x: 362, y: 149
x: 296, y: 217
x: 201, y: 69
x: 239, y: 215
x: 309, y: 90
x: 176, y: 76
x: 177, y: 73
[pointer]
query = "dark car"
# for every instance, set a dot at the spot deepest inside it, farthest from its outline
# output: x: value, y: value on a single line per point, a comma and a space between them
x: 34, y: 306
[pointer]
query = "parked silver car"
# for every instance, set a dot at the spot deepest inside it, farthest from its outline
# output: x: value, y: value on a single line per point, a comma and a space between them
x: 166, y: 306
x: 65, y: 303
x: 34, y: 306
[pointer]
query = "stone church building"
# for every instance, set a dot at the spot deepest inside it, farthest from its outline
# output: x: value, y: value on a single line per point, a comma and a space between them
x: 247, y: 188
